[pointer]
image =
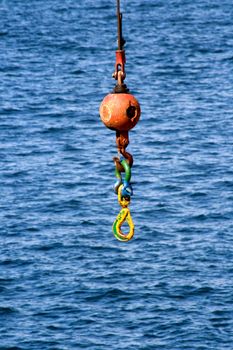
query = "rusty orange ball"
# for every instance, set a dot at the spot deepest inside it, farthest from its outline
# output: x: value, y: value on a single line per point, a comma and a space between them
x: 120, y: 111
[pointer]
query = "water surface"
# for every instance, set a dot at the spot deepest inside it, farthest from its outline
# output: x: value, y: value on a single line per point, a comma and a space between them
x: 66, y: 283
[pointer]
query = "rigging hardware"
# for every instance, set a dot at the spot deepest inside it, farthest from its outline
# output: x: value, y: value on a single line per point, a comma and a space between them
x: 120, y: 111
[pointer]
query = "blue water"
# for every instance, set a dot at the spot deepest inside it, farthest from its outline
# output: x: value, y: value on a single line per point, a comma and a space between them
x: 65, y: 282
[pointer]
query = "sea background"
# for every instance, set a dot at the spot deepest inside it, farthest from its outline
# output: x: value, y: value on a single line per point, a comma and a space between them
x: 65, y: 282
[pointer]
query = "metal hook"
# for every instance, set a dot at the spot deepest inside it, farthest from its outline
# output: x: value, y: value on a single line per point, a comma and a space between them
x: 123, y: 216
